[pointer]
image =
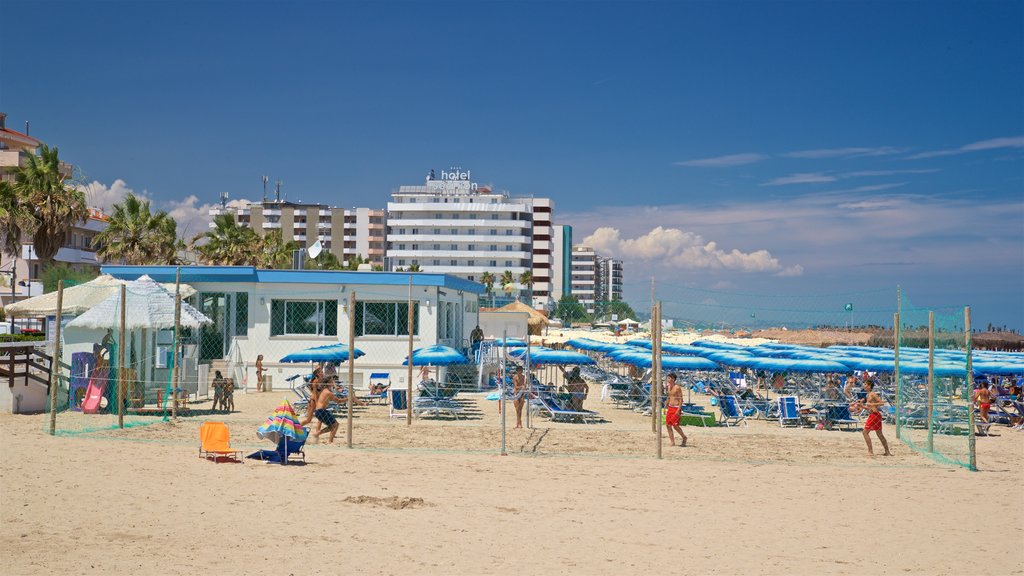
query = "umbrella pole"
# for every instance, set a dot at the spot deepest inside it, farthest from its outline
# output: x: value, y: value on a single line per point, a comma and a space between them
x: 351, y: 362
x: 55, y: 360
x: 501, y: 392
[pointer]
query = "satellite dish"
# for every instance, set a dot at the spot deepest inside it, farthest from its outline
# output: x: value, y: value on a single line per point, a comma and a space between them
x: 315, y: 249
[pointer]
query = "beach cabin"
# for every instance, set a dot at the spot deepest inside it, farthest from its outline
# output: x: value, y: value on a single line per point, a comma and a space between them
x: 277, y: 312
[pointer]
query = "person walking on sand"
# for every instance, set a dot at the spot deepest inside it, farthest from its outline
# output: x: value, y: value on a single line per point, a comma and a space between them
x: 327, y: 420
x: 873, y: 403
x: 674, y: 399
x: 983, y: 398
x: 259, y: 373
x: 519, y: 394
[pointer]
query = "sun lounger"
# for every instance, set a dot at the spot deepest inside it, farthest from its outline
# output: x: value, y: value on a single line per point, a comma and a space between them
x: 382, y: 379
x: 286, y: 449
x: 789, y: 411
x: 547, y: 404
x: 839, y: 415
x: 215, y: 441
x: 730, y: 411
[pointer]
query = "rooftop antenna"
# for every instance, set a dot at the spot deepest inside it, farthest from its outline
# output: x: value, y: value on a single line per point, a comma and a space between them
x: 26, y: 127
x: 265, y: 180
x: 223, y: 199
x: 277, y: 191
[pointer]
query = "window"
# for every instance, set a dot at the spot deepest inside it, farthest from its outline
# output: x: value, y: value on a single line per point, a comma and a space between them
x: 401, y: 246
x: 437, y: 230
x: 316, y: 317
x: 415, y: 230
x: 493, y: 263
x: 454, y: 262
x: 508, y: 232
x: 509, y: 247
x: 437, y: 246
x: 401, y: 230
x: 470, y: 247
x: 437, y: 262
x: 241, y: 313
x: 494, y: 248
x: 494, y: 232
x: 453, y: 246
x: 415, y: 246
x: 508, y: 263
x: 401, y: 262
x: 471, y: 263
x: 470, y: 232
x: 455, y: 216
x: 386, y: 318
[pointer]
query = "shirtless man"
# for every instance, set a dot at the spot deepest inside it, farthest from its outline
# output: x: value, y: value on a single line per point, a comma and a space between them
x: 327, y: 420
x: 519, y: 394
x: 983, y: 398
x: 675, y: 409
x: 873, y: 403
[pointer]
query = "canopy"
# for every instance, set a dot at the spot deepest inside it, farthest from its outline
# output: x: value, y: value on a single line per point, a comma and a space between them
x: 148, y: 305
x: 328, y: 353
x: 628, y: 322
x: 79, y: 298
x: 555, y: 357
x: 436, y: 355
x: 510, y: 342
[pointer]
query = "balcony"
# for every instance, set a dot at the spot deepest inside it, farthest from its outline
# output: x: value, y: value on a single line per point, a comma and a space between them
x: 478, y: 223
x: 266, y: 225
x: 475, y: 239
x: 499, y: 255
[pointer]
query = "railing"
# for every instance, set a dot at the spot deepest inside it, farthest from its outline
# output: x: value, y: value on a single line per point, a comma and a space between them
x: 18, y: 359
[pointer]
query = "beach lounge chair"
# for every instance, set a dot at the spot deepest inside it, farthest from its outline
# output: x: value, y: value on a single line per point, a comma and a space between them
x: 215, y: 441
x: 397, y: 403
x: 839, y: 415
x: 379, y: 379
x: 547, y: 404
x: 731, y: 414
x: 789, y: 411
x: 286, y: 449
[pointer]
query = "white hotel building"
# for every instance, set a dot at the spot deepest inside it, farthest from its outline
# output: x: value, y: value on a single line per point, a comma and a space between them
x: 451, y: 225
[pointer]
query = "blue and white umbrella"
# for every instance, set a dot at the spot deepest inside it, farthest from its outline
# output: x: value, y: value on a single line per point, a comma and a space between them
x: 436, y: 355
x: 554, y: 357
x: 328, y: 353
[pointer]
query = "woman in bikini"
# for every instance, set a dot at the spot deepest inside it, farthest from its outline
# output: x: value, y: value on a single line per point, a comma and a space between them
x: 519, y: 394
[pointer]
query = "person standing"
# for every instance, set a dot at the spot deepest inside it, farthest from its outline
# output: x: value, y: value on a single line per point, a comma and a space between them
x: 259, y: 373
x: 674, y: 399
x: 519, y: 394
x: 873, y: 404
x: 983, y: 398
x: 218, y: 391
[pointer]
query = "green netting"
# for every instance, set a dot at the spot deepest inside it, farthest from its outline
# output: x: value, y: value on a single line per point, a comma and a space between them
x: 934, y: 412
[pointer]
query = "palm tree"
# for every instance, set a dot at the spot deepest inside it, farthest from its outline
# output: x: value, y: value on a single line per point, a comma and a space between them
x: 414, y: 268
x: 325, y: 261
x: 353, y: 263
x: 487, y: 279
x: 136, y: 235
x: 273, y: 252
x: 230, y: 244
x: 526, y: 279
x: 55, y: 206
x: 15, y: 220
x: 508, y: 281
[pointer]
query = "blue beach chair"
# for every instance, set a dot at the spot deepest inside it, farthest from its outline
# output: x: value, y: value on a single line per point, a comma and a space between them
x: 731, y: 413
x: 789, y: 411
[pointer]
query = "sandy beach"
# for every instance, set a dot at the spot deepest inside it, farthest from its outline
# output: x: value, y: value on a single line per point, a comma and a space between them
x: 437, y: 498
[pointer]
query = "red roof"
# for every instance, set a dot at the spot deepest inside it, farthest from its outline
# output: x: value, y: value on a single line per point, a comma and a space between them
x: 20, y: 135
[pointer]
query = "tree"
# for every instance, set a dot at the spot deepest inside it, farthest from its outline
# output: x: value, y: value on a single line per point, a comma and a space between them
x: 414, y: 268
x: 508, y: 281
x: 15, y: 220
x: 570, y: 310
x: 526, y: 279
x: 354, y: 262
x: 326, y: 260
x: 273, y: 251
x: 55, y: 206
x: 230, y: 244
x: 605, y: 309
x: 61, y: 271
x: 138, y: 236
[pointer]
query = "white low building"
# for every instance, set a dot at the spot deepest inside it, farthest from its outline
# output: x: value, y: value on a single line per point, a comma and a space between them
x: 277, y: 312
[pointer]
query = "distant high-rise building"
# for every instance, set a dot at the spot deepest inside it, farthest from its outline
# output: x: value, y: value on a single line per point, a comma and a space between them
x: 584, y: 276
x: 609, y: 279
x: 344, y: 232
x: 561, y: 262
x: 452, y: 225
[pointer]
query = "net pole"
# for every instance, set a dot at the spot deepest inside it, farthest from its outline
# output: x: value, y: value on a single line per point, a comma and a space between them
x: 120, y: 361
x: 55, y: 360
x: 351, y: 364
x: 408, y: 383
x: 969, y: 385
x: 175, y: 369
x: 654, y: 359
x: 896, y: 375
x: 931, y: 378
x: 501, y: 390
x: 656, y: 346
x: 529, y: 378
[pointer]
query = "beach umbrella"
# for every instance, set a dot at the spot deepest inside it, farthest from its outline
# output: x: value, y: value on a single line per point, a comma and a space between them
x: 436, y: 355
x: 147, y: 305
x: 80, y: 298
x: 555, y: 357
x: 281, y: 428
x: 510, y: 342
x: 328, y: 353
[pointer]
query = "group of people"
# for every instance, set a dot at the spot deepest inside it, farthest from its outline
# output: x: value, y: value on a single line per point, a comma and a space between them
x: 223, y: 392
x: 988, y: 393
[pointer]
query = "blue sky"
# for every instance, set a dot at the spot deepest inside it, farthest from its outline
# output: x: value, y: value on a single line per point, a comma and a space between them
x: 821, y: 147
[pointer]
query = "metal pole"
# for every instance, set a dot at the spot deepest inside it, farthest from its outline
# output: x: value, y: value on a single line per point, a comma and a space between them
x: 120, y: 362
x: 896, y: 375
x: 351, y: 363
x: 408, y: 384
x: 969, y: 385
x: 55, y: 361
x: 501, y: 389
x: 175, y: 369
x: 529, y: 377
x: 656, y: 345
x: 931, y: 378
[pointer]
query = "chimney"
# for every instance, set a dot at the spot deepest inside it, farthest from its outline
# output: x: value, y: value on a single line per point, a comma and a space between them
x: 3, y: 120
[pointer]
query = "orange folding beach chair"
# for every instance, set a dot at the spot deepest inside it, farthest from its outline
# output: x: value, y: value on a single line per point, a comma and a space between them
x: 215, y: 441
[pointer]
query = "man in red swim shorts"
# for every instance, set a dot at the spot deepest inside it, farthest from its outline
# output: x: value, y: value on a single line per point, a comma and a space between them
x: 674, y: 397
x: 873, y: 404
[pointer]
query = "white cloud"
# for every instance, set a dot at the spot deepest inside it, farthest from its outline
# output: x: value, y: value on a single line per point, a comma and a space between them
x: 801, y: 178
x: 679, y: 249
x: 850, y: 152
x: 192, y: 217
x: 861, y: 173
x: 992, y: 144
x: 724, y: 161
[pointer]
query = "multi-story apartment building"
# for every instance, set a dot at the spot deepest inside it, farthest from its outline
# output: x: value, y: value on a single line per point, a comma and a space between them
x: 609, y: 279
x: 344, y: 232
x: 584, y: 276
x: 452, y: 225
x: 561, y: 262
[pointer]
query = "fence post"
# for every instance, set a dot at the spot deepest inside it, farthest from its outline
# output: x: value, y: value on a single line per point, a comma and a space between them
x: 656, y: 374
x: 120, y: 361
x: 55, y: 361
x: 351, y: 363
x: 931, y: 378
x: 501, y: 390
x: 175, y: 370
x: 896, y: 375
x: 408, y: 383
x: 969, y: 385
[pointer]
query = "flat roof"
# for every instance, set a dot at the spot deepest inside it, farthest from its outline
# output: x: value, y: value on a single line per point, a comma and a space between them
x: 192, y: 274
